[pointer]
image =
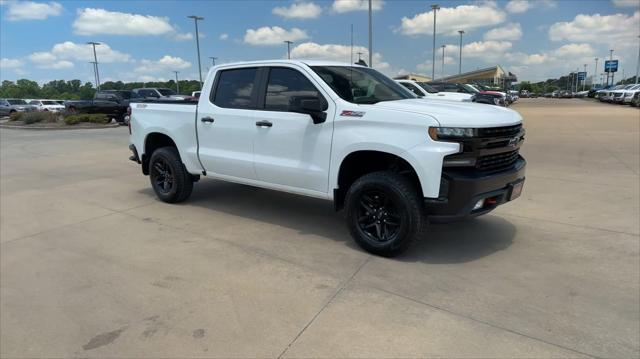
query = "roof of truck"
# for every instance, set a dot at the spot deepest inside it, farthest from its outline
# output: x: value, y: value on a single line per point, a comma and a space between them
x: 297, y: 62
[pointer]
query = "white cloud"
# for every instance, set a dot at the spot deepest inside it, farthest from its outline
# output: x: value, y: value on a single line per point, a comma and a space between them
x: 273, y: 35
x: 224, y: 36
x: 42, y: 57
x: 488, y: 50
x: 608, y: 29
x: 518, y: 6
x: 341, y: 53
x: 165, y: 64
x: 29, y: 10
x: 342, y: 6
x: 83, y: 52
x: 511, y: 32
x: 6, y: 63
x: 56, y: 65
x: 452, y: 19
x: 299, y: 10
x: 548, y: 64
x: 183, y: 36
x: 92, y: 21
x: 626, y: 3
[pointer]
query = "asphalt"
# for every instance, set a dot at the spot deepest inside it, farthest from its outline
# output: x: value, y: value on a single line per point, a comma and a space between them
x: 92, y: 265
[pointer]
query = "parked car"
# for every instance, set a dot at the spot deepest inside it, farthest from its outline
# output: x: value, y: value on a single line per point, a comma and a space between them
x: 478, y: 96
x: 113, y: 103
x: 195, y: 94
x: 635, y: 101
x: 338, y: 132
x: 630, y: 93
x: 423, y: 90
x: 617, y: 96
x: 11, y: 105
x: 47, y: 105
x: 157, y: 92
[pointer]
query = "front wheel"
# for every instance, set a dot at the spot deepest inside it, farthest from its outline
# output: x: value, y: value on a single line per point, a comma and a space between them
x: 170, y: 180
x: 384, y: 213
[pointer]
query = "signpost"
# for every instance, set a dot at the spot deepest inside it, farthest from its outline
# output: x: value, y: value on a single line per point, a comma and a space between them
x: 582, y: 76
x: 610, y: 67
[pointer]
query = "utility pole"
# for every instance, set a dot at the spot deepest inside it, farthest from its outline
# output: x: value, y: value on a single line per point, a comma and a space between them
x: 195, y: 20
x: 638, y: 64
x: 370, y: 35
x: 595, y: 71
x: 95, y: 79
x: 177, y: 84
x: 95, y: 59
x: 213, y: 60
x: 610, y: 58
x: 460, y: 56
x: 585, y: 77
x: 288, y: 48
x: 443, y: 46
x: 434, y: 8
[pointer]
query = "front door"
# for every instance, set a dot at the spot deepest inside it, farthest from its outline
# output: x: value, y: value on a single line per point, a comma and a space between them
x: 226, y: 124
x: 289, y: 149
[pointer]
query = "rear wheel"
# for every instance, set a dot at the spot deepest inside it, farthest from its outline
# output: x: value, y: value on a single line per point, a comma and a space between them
x: 384, y: 213
x: 170, y: 180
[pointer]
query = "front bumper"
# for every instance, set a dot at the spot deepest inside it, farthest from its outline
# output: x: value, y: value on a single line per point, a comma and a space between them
x: 461, y: 190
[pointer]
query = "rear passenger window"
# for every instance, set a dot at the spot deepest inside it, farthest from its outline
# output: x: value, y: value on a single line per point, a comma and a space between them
x: 285, y: 87
x: 236, y: 88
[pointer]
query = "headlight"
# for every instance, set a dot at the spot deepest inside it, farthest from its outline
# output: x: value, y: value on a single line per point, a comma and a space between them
x: 439, y: 133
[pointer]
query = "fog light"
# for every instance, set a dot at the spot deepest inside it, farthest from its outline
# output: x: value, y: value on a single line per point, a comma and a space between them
x: 478, y: 204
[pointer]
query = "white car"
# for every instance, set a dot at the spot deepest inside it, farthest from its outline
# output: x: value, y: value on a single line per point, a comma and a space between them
x: 617, y: 96
x: 47, y: 105
x: 337, y: 132
x: 423, y: 90
x: 629, y: 93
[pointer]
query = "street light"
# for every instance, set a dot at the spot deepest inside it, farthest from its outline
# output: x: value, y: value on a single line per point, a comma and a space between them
x: 460, y: 65
x: 443, y: 46
x: 95, y: 80
x: 370, y: 35
x: 213, y: 60
x: 195, y: 19
x: 177, y: 84
x: 95, y: 64
x: 584, y: 80
x: 435, y: 8
x: 288, y: 48
x: 638, y: 64
x: 609, y: 72
x: 595, y: 72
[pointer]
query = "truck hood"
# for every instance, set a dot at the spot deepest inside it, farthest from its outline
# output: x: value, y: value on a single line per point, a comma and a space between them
x: 456, y: 114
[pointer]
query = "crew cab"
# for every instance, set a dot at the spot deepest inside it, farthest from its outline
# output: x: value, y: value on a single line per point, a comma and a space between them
x: 158, y: 92
x: 113, y: 103
x: 423, y: 90
x: 339, y: 132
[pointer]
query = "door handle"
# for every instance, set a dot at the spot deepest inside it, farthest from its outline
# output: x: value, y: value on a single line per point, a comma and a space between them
x: 207, y: 119
x: 264, y: 124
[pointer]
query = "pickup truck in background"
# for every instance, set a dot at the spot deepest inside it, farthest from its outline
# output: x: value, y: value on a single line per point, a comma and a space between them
x: 423, y: 90
x: 159, y: 93
x: 479, y: 96
x: 339, y: 132
x: 113, y: 103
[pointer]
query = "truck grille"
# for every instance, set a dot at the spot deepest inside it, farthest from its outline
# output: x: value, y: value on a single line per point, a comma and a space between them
x: 499, y: 131
x: 497, y: 161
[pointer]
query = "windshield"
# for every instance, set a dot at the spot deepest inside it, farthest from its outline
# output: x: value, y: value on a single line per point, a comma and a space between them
x: 166, y: 92
x: 361, y: 85
x: 49, y: 103
x: 470, y: 88
x: 17, y: 102
x: 426, y: 87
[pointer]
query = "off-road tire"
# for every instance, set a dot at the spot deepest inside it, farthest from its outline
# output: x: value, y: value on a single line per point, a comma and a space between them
x: 403, y: 205
x: 165, y: 162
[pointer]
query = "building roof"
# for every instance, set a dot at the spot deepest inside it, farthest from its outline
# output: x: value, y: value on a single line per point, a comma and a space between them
x: 492, y: 71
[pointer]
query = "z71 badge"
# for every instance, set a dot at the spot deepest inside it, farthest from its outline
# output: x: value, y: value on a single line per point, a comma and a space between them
x: 352, y: 113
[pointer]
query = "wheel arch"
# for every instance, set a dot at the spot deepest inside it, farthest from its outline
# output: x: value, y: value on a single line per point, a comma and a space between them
x: 152, y: 142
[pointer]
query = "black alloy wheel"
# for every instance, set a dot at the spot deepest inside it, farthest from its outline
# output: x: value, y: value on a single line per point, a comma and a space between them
x: 378, y: 217
x: 169, y: 178
x: 162, y: 176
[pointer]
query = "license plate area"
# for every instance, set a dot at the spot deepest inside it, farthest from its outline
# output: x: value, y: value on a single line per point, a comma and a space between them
x: 516, y: 190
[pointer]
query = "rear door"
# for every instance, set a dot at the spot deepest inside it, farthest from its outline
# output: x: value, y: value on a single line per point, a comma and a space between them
x: 226, y: 123
x: 289, y: 149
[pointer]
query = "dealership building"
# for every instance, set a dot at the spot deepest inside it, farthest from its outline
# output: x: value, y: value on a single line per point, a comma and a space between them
x: 490, y: 76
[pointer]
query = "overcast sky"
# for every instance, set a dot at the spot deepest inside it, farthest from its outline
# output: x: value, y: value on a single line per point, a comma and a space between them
x: 148, y: 40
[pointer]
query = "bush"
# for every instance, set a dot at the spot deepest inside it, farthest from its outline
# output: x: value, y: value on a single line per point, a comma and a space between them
x: 16, y: 116
x: 87, y: 118
x: 34, y: 117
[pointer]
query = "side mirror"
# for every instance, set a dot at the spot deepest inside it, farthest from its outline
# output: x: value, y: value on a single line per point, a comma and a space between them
x: 312, y: 106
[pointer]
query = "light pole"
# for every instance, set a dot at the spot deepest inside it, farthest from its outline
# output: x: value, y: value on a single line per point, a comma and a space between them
x: 638, y: 64
x: 595, y: 71
x: 443, y: 46
x: 460, y: 56
x: 288, y: 48
x: 609, y: 72
x: 95, y: 59
x: 585, y: 77
x: 213, y: 60
x: 435, y: 8
x: 95, y: 79
x: 177, y: 84
x: 195, y: 19
x: 370, y: 35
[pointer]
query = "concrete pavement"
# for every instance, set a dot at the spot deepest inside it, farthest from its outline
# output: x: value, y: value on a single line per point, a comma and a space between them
x: 92, y: 265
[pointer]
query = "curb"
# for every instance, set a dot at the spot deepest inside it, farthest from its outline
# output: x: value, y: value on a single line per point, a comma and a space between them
x: 54, y: 128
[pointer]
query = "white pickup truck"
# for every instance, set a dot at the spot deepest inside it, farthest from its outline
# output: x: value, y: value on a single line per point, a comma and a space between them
x: 423, y: 90
x: 339, y: 132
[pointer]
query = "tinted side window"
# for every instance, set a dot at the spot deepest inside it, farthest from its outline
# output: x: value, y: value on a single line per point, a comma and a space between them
x: 413, y: 89
x: 438, y: 87
x: 236, y: 88
x: 285, y: 87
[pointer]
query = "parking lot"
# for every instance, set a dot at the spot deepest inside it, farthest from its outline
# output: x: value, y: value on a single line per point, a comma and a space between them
x: 92, y: 265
